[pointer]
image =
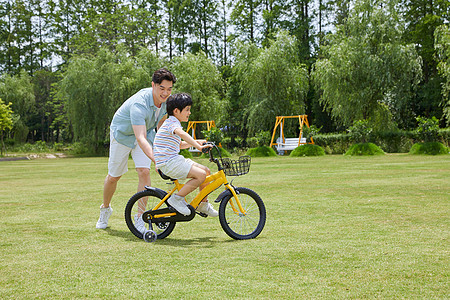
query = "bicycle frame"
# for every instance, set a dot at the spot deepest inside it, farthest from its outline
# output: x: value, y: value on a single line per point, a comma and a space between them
x: 215, y: 181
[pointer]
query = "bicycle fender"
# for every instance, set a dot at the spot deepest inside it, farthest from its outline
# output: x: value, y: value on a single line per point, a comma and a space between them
x: 158, y: 191
x: 224, y: 194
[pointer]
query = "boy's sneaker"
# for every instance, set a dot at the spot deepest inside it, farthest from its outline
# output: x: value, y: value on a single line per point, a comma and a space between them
x: 179, y: 204
x: 139, y: 223
x: 207, y: 208
x: 105, y: 213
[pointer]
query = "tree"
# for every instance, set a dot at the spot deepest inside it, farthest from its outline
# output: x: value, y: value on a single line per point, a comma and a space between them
x: 442, y: 45
x: 197, y: 75
x: 272, y: 14
x: 67, y: 19
x: 236, y: 119
x: 366, y: 68
x: 89, y: 88
x: 5, y: 121
x: 206, y: 25
x: 18, y: 90
x: 93, y: 88
x: 422, y: 18
x: 244, y: 16
x: 275, y: 85
x: 301, y: 27
x: 43, y: 114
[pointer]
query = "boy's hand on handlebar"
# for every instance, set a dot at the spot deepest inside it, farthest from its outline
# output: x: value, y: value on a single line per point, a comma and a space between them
x: 205, y: 147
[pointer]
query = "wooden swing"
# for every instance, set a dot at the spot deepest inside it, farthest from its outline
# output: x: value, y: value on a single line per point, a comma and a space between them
x: 192, y: 125
x: 282, y: 143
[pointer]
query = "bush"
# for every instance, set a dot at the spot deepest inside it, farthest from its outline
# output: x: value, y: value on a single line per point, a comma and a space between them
x: 394, y: 141
x: 364, y: 149
x: 445, y: 136
x: 214, y: 135
x: 263, y: 151
x: 79, y: 149
x: 252, y: 142
x: 38, y: 147
x: 226, y: 142
x: 360, y: 131
x: 310, y: 132
x: 428, y: 129
x: 429, y: 148
x: 307, y: 150
x: 334, y: 143
x: 263, y: 138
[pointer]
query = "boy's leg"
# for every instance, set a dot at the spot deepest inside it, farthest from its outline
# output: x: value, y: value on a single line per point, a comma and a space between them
x: 204, y: 206
x: 208, y: 172
x: 177, y: 201
x: 198, y: 175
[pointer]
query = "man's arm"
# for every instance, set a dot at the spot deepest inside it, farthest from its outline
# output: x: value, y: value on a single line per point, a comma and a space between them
x: 140, y: 131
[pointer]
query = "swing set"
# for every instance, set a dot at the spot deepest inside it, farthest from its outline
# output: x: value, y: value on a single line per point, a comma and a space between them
x: 282, y: 143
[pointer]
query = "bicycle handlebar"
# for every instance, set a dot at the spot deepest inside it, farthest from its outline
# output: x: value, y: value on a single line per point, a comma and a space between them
x: 206, y: 150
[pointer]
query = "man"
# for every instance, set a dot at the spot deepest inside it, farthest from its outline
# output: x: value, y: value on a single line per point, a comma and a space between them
x: 133, y: 131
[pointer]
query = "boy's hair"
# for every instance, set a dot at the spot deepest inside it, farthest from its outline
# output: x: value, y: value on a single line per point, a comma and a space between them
x: 163, y: 74
x: 179, y: 101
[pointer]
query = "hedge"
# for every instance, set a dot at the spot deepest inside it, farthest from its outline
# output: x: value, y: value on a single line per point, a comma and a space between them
x: 389, y: 141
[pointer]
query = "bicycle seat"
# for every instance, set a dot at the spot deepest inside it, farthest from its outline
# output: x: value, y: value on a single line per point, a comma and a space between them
x: 164, y: 176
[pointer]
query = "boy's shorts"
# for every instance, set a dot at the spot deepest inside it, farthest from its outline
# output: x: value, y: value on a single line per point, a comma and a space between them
x: 177, y: 168
x: 118, y: 158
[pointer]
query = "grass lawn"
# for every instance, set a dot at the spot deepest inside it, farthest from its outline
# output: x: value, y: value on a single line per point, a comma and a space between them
x: 337, y: 227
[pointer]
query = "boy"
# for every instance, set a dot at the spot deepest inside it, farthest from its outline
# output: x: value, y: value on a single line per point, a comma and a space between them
x: 167, y: 145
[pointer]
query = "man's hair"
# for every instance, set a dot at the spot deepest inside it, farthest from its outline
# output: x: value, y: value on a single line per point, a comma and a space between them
x: 179, y: 101
x: 163, y: 74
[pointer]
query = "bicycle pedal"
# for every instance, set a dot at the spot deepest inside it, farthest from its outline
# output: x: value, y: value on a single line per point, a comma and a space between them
x: 201, y: 214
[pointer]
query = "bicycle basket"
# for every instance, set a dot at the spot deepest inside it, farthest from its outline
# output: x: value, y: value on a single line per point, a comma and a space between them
x: 237, y: 167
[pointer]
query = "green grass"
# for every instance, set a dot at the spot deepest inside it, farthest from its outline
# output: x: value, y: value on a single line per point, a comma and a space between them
x: 338, y: 227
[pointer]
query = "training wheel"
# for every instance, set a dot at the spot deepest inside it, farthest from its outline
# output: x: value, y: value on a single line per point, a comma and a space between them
x: 150, y: 236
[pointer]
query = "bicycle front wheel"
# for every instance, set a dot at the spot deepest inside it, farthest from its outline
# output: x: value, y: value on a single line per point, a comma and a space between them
x: 137, y: 205
x: 241, y: 226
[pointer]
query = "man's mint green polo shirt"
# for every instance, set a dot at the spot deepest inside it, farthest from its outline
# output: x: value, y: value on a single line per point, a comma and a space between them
x: 139, y: 109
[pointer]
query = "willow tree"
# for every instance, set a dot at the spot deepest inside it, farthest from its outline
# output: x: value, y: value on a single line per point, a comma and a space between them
x: 93, y: 88
x: 442, y: 46
x: 5, y: 122
x: 366, y: 70
x: 18, y: 90
x: 197, y: 75
x: 276, y: 84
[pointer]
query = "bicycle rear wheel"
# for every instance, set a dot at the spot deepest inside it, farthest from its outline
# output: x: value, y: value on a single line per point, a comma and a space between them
x: 242, y: 226
x: 139, y: 203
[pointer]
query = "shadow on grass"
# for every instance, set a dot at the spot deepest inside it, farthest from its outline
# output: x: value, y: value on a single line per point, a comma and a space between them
x: 203, y: 242
x: 127, y: 235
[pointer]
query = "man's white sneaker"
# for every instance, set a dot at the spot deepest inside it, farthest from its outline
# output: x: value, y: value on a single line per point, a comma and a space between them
x: 179, y: 204
x: 207, y: 208
x: 105, y: 213
x: 139, y: 223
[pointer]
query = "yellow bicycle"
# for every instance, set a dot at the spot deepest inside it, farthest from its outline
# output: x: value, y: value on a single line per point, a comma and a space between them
x: 242, y: 213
